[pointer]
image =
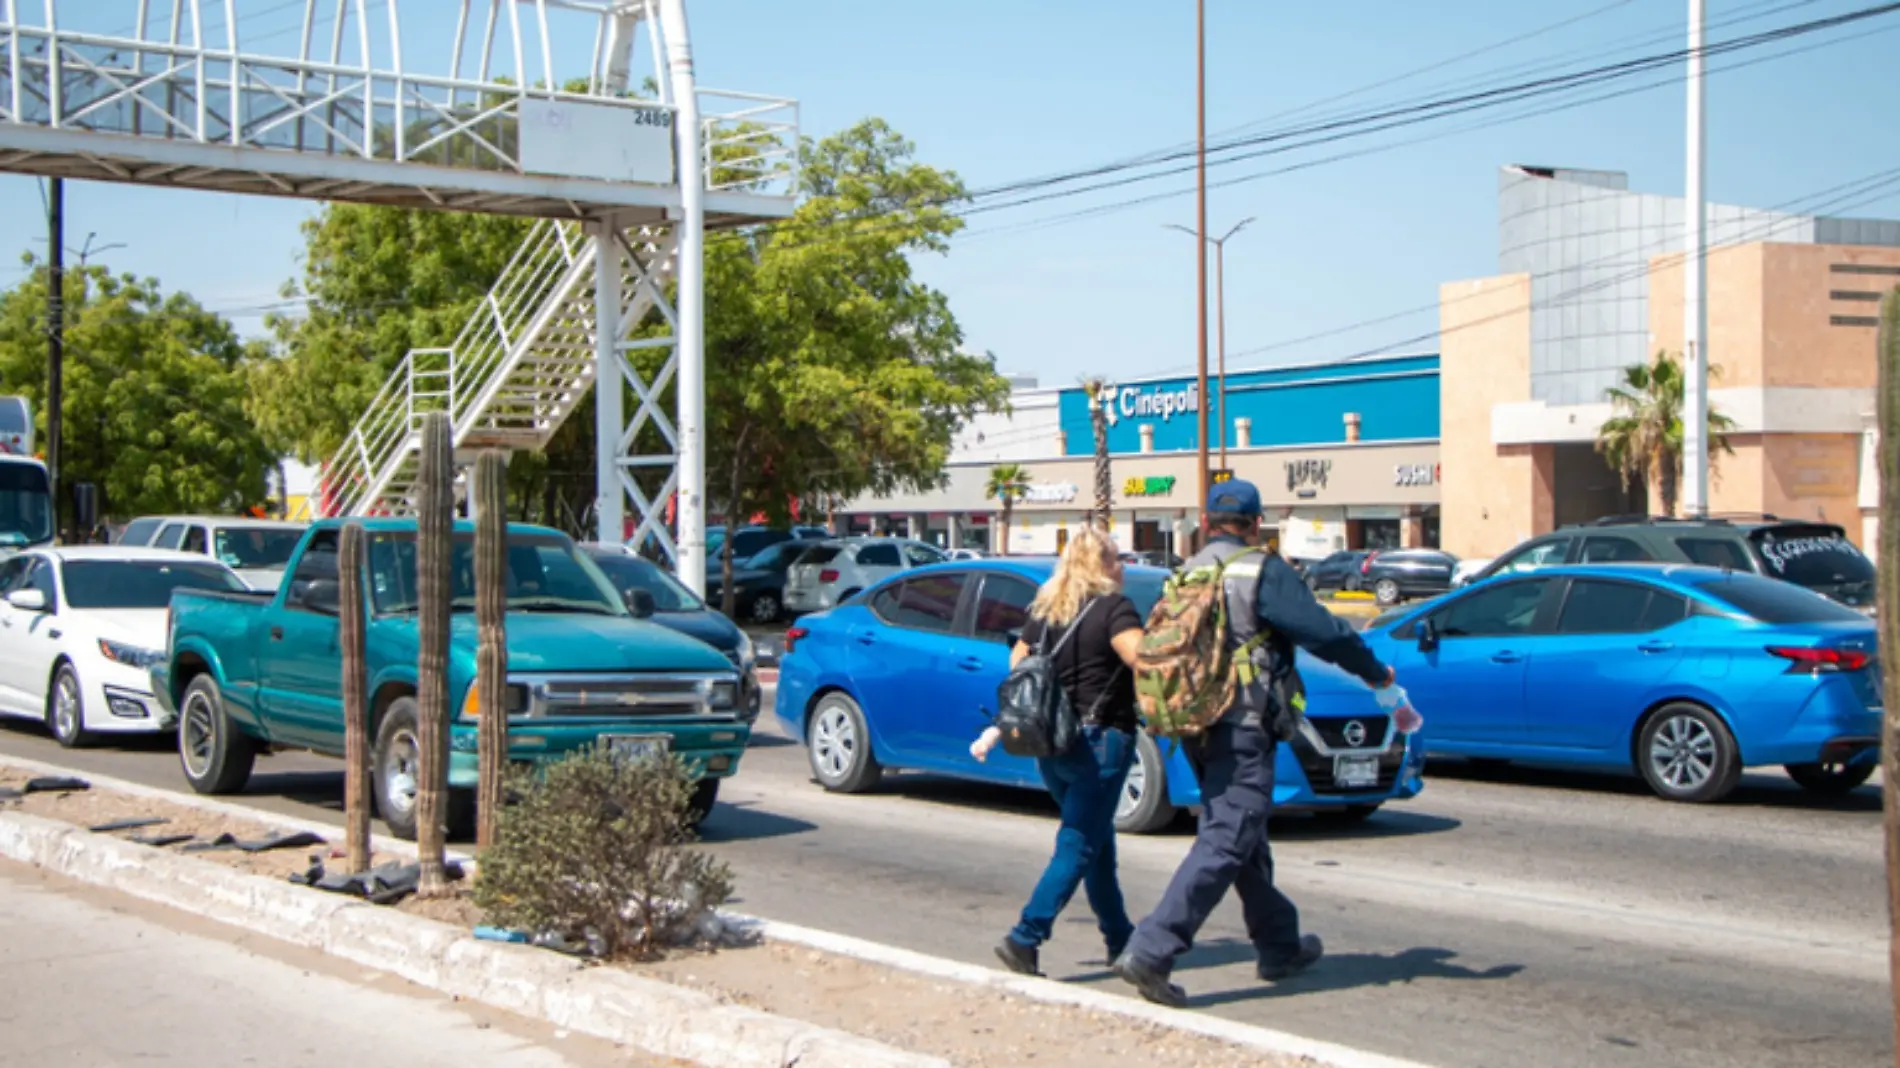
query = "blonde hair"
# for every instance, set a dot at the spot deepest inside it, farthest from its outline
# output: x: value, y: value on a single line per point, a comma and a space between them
x: 1085, y: 570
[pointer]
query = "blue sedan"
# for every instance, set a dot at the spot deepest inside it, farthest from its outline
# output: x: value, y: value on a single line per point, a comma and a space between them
x: 905, y: 676
x: 1686, y: 674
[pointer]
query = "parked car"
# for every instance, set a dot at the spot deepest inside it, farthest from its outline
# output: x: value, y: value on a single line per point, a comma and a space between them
x: 831, y: 573
x: 906, y: 676
x: 1468, y: 570
x: 1402, y: 574
x: 1340, y: 571
x: 748, y: 541
x: 1686, y: 674
x: 653, y: 593
x: 1815, y: 555
x: 80, y: 628
x: 759, y: 582
x: 257, y: 549
x: 1152, y: 558
x: 966, y: 554
x: 250, y: 671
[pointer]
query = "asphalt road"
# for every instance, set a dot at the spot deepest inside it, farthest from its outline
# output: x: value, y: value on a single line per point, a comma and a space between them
x: 1519, y: 919
x: 98, y: 979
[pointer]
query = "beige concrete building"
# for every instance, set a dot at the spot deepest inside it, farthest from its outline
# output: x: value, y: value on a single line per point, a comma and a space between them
x: 1790, y: 340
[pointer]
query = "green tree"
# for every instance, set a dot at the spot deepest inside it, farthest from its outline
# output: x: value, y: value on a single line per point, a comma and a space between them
x: 155, y: 388
x: 833, y: 371
x: 1643, y: 440
x: 1007, y: 485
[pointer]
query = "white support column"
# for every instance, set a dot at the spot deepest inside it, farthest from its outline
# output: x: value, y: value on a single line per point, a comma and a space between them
x: 610, y: 499
x: 1695, y: 345
x: 691, y: 339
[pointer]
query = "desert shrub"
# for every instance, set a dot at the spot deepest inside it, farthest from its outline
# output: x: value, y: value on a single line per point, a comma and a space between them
x: 595, y: 848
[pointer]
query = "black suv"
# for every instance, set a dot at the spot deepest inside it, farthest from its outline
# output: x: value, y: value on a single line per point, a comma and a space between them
x: 1815, y: 555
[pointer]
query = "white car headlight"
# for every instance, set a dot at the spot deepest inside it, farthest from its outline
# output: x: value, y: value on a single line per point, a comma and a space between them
x: 130, y: 655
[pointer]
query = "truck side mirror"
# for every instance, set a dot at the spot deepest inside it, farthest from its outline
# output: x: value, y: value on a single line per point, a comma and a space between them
x: 640, y: 603
x: 322, y: 595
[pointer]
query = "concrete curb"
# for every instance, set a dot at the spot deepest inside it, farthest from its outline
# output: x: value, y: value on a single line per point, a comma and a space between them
x: 659, y: 1018
x: 1325, y: 1054
x: 519, y: 994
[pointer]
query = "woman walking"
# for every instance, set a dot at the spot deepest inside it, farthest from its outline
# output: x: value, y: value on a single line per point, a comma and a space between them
x: 1082, y: 608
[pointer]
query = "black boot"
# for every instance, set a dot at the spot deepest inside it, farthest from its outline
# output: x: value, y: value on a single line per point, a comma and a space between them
x: 1311, y: 950
x: 1151, y: 981
x: 1018, y: 958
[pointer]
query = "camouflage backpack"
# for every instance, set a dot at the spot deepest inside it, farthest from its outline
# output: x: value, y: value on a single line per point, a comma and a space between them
x: 1185, y: 676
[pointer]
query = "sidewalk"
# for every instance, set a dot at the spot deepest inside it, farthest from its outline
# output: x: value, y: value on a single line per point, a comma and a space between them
x: 100, y: 979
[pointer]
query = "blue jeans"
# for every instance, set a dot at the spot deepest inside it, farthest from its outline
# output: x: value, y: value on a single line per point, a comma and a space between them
x: 1087, y: 783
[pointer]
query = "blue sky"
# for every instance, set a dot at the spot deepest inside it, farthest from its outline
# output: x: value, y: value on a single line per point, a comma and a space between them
x: 999, y: 91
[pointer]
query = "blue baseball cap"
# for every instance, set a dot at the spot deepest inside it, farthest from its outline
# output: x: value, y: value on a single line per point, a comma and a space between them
x: 1234, y: 497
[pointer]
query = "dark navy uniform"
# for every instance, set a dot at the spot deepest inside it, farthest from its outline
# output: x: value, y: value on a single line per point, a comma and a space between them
x: 1235, y: 760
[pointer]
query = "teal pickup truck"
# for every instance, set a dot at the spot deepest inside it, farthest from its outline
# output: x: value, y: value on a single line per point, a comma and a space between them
x: 246, y: 673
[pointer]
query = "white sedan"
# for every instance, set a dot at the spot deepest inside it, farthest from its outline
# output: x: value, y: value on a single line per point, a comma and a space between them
x: 81, y: 627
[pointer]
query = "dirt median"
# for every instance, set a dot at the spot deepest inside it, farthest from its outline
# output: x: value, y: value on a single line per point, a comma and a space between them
x: 971, y: 1026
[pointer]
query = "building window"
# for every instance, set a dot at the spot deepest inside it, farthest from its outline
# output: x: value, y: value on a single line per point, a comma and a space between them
x: 1853, y: 294
x: 1864, y: 268
x: 1854, y: 320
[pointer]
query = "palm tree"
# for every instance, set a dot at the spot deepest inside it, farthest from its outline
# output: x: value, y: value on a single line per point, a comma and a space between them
x: 1008, y: 483
x: 1096, y: 388
x: 1643, y: 440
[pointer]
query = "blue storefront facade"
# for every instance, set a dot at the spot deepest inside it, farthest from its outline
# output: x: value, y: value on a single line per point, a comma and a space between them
x: 1345, y: 454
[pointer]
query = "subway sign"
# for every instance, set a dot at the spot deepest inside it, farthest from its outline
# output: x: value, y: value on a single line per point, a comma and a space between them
x: 1152, y: 486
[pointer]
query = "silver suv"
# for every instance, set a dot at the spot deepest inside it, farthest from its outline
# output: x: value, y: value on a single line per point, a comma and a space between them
x: 832, y: 572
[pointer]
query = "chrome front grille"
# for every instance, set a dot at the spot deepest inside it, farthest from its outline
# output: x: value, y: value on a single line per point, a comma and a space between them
x: 554, y: 696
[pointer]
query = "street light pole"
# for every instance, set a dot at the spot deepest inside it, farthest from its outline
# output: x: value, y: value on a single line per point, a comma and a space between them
x: 1200, y: 230
x: 1220, y: 316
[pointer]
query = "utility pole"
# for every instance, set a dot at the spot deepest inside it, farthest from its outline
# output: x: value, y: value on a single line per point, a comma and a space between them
x: 1220, y: 317
x: 55, y: 332
x: 1695, y: 317
x: 1200, y: 231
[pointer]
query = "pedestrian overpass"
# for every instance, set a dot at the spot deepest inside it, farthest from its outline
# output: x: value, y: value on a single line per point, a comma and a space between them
x: 582, y: 113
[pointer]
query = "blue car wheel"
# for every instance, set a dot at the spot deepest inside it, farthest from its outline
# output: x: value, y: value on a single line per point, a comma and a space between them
x: 1686, y: 753
x: 1144, y: 806
x: 838, y: 744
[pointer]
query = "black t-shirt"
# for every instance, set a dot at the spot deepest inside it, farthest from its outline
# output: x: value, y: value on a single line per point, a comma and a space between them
x: 1089, y: 665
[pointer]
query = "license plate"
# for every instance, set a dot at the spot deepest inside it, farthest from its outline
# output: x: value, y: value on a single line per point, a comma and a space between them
x: 637, y: 746
x: 1350, y: 772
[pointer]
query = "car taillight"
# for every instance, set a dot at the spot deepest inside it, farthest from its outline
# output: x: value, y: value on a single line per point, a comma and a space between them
x: 792, y: 636
x: 828, y: 575
x: 1817, y: 661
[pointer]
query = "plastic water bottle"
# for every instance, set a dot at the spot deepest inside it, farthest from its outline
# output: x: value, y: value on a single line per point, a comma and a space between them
x: 1394, y: 701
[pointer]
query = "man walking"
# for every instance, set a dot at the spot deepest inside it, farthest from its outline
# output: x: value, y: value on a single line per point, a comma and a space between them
x: 1235, y: 761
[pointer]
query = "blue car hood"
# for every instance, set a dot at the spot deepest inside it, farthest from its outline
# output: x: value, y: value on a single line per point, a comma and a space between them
x: 1332, y: 691
x: 553, y: 642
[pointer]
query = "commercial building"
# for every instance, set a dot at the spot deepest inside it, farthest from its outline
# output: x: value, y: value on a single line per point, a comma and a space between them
x: 1591, y: 282
x: 1345, y: 455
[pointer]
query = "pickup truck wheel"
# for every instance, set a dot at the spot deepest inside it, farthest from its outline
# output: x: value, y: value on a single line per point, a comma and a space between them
x: 839, y: 746
x: 395, y: 768
x: 66, y: 710
x: 215, y: 755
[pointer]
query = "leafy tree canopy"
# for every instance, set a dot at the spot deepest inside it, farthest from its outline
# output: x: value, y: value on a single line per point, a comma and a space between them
x: 155, y: 389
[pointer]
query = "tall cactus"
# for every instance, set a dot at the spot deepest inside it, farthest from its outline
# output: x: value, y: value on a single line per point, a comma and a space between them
x: 491, y: 651
x: 435, y: 532
x: 356, y: 773
x: 1887, y: 598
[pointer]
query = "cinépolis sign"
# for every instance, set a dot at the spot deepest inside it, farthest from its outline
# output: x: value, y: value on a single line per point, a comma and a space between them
x: 1163, y: 401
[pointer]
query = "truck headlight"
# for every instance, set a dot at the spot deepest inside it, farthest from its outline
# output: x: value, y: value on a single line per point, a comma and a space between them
x: 130, y: 655
x: 722, y: 695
